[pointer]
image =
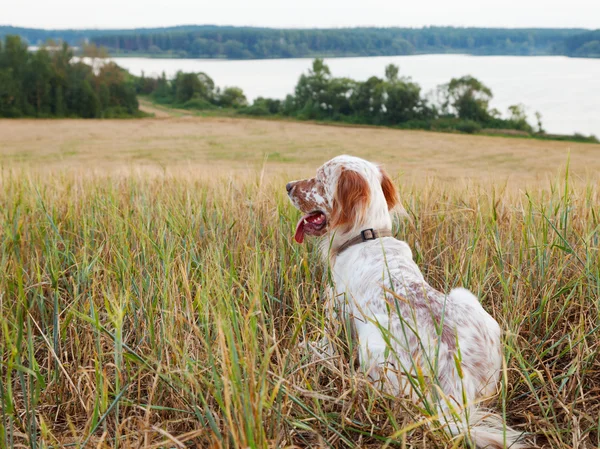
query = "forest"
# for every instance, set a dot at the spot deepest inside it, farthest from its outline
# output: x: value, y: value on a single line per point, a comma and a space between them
x: 210, y: 41
x: 582, y: 45
x: 253, y: 43
x: 52, y: 83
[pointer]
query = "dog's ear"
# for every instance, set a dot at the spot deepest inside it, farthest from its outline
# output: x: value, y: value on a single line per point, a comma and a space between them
x: 351, y: 199
x: 389, y: 190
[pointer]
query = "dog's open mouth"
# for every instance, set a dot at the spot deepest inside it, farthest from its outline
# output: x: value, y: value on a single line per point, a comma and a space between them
x: 310, y: 224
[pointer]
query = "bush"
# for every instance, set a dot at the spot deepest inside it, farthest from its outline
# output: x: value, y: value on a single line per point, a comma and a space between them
x: 116, y: 112
x: 498, y: 123
x: 468, y: 126
x: 416, y: 124
x: 199, y: 104
x: 577, y: 137
x: 233, y: 97
x: 255, y: 110
x: 271, y: 105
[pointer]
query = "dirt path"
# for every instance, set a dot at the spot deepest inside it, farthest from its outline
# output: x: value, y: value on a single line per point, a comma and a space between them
x: 161, y: 111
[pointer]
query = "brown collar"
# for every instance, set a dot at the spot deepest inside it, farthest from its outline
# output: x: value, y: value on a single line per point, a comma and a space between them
x: 364, y: 236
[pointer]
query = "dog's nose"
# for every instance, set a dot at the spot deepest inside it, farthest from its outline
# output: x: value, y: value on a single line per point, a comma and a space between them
x: 289, y: 186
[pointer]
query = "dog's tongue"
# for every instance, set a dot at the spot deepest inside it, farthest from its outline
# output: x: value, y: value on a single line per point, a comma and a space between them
x: 299, y: 235
x: 307, y: 221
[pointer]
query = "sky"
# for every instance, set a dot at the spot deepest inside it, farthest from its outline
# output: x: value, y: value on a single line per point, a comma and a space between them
x: 301, y: 14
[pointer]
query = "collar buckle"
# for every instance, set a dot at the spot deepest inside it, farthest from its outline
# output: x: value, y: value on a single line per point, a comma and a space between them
x: 368, y: 234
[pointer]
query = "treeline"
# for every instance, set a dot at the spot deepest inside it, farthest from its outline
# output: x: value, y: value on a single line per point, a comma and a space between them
x: 257, y: 43
x: 582, y: 45
x: 209, y: 41
x: 463, y: 104
x: 50, y: 83
x: 39, y: 36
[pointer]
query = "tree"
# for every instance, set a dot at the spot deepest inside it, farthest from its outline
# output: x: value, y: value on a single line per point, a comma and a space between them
x: 232, y: 42
x: 589, y: 49
x: 38, y: 82
x: 517, y: 117
x: 402, y: 102
x: 233, y: 97
x: 538, y: 117
x: 93, y: 52
x: 45, y: 83
x: 517, y: 113
x: 312, y: 90
x: 469, y: 97
x: 16, y: 58
x: 236, y: 50
x: 368, y: 100
x: 163, y: 91
x: 337, y: 97
x: 193, y: 85
x: 119, y: 95
x: 391, y: 72
x: 80, y: 98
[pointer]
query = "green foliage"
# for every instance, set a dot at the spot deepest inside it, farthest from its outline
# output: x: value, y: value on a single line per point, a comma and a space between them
x: 590, y: 49
x: 468, y: 126
x: 396, y: 101
x: 50, y: 84
x: 538, y: 118
x: 190, y: 91
x: 577, y: 137
x: 264, y: 106
x: 233, y: 97
x: 208, y: 41
x: 468, y: 97
x: 257, y: 43
x: 199, y: 104
x: 582, y: 45
x: 393, y: 101
x: 162, y: 93
x: 146, y: 86
x: 391, y: 72
x: 192, y: 85
x: 257, y: 109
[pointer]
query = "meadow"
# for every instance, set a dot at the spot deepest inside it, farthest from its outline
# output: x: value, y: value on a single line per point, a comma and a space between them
x: 151, y: 294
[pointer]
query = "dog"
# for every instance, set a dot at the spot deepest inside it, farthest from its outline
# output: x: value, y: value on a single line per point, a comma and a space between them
x: 404, y: 327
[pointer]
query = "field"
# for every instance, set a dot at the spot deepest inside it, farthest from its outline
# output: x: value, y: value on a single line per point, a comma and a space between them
x: 228, y: 145
x: 151, y: 294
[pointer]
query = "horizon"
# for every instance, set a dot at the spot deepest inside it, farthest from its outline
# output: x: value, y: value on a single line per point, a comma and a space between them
x: 183, y: 25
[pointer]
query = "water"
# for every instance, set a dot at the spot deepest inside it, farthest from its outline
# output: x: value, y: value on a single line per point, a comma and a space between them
x: 565, y: 90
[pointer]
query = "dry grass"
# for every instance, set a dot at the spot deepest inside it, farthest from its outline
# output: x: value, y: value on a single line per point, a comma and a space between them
x: 224, y: 144
x: 162, y: 306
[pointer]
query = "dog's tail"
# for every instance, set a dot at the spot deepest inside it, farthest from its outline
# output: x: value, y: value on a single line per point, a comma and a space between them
x: 482, y: 429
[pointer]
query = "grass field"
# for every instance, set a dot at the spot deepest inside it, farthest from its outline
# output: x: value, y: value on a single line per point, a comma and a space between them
x: 227, y: 145
x: 151, y: 294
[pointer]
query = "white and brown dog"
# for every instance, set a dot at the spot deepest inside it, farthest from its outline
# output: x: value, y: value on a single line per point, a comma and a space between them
x: 405, y: 328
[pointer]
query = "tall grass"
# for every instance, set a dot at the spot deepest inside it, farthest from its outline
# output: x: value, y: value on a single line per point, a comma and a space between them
x: 165, y: 311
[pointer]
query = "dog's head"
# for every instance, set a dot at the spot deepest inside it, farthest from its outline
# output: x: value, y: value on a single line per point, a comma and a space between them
x: 347, y: 195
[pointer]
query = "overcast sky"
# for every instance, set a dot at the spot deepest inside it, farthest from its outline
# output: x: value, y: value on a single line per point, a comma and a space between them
x: 300, y: 14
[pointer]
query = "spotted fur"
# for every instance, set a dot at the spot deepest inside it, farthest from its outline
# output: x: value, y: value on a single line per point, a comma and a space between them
x: 403, y: 325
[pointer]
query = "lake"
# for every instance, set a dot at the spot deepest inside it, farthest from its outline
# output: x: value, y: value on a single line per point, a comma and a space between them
x: 565, y: 90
